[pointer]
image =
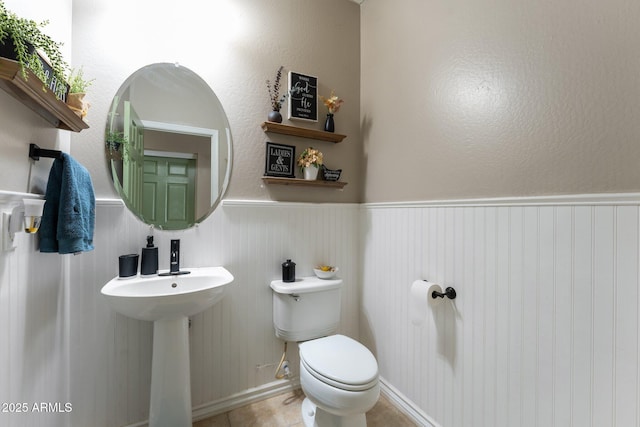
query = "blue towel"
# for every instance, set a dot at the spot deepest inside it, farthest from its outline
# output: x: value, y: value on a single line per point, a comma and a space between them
x: 69, y: 213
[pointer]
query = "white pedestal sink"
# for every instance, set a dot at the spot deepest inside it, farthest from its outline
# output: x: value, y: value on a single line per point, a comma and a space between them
x: 167, y: 301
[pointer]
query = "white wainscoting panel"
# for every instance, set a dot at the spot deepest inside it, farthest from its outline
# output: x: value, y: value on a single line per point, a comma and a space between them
x: 545, y: 328
x: 34, y: 335
x: 233, y: 345
x: 544, y: 332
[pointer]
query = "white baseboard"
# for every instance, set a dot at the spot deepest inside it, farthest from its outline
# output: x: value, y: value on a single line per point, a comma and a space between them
x: 237, y: 400
x: 400, y: 401
x: 244, y: 398
x: 405, y: 405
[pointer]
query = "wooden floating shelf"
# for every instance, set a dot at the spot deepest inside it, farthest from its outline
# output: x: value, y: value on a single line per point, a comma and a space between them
x: 42, y: 101
x: 303, y: 182
x: 302, y: 132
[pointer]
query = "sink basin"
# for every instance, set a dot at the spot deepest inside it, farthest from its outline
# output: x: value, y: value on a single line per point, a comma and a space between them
x: 168, y: 301
x: 159, y: 297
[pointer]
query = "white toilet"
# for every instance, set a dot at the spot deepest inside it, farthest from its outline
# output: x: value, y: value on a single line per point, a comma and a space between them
x: 339, y: 376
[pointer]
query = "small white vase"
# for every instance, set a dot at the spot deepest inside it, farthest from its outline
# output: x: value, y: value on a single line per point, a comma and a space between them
x: 311, y: 173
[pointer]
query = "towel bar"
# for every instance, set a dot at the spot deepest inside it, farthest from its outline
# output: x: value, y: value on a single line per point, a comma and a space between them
x: 36, y: 152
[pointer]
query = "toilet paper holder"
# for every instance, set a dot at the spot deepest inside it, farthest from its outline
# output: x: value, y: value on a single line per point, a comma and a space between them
x: 449, y: 292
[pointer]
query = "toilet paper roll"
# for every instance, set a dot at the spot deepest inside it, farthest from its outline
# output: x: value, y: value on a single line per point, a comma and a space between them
x: 420, y: 300
x: 434, y: 302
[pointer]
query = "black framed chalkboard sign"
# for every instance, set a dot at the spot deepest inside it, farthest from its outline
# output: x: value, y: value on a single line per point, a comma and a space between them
x: 303, y: 97
x: 280, y: 160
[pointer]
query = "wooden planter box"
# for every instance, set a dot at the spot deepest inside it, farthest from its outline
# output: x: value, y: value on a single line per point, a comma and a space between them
x: 58, y: 88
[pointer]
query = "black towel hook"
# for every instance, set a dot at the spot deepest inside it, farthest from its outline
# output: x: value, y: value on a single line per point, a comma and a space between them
x: 449, y: 293
x: 36, y: 152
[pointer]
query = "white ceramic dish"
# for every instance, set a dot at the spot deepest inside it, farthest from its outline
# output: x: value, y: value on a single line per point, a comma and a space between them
x: 326, y: 274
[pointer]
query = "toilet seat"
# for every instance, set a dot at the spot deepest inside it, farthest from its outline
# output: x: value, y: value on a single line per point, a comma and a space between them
x: 341, y: 362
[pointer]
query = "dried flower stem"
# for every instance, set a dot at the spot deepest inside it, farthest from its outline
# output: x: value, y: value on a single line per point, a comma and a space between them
x: 274, y: 91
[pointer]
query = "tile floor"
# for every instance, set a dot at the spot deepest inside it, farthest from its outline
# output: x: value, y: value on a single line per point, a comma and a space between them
x: 284, y: 411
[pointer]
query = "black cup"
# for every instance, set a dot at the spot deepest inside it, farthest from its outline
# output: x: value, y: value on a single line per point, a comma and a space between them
x: 128, y: 265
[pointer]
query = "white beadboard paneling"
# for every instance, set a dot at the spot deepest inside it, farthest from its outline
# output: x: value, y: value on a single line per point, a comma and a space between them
x: 497, y: 224
x: 603, y: 315
x: 561, y: 371
x: 34, y: 331
x: 545, y: 329
x: 583, y: 301
x: 626, y: 321
x: 233, y: 345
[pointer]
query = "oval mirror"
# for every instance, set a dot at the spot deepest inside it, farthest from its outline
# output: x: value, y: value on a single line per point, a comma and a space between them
x: 168, y: 146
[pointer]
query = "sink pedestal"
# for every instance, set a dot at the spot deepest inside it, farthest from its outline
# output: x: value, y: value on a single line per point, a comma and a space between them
x: 170, y: 374
x: 168, y: 301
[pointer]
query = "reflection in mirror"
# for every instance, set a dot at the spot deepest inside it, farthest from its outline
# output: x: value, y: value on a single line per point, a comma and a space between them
x: 168, y: 146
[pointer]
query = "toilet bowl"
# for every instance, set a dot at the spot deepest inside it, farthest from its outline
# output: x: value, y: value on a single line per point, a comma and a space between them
x: 339, y: 377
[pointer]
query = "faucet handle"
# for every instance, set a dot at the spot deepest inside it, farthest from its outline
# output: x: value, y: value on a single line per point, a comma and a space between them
x: 174, y: 260
x: 174, y: 257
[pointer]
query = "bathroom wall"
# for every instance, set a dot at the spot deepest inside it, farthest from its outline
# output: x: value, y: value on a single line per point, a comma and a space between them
x: 234, y: 350
x: 490, y: 100
x: 34, y: 324
x: 34, y: 331
x: 62, y: 343
x: 19, y: 126
x: 501, y: 99
x: 545, y: 327
x: 235, y: 46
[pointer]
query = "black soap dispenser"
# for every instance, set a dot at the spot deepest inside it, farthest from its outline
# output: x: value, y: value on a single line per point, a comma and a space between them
x: 289, y: 271
x: 149, y: 264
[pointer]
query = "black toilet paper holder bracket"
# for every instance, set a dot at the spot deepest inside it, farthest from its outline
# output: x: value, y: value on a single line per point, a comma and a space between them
x: 449, y: 292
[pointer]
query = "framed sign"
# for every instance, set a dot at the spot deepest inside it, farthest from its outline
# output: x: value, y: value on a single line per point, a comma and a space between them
x: 280, y: 160
x: 303, y: 97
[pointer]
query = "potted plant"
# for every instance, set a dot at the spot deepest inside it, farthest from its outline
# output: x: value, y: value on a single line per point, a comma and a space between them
x: 114, y: 141
x: 77, y: 90
x: 333, y: 104
x: 21, y: 40
x: 310, y: 161
x: 275, y: 98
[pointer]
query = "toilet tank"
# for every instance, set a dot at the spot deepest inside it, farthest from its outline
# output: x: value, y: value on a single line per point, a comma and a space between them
x: 307, y: 308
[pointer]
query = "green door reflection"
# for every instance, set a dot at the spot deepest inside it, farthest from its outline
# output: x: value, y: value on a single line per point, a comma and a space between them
x: 169, y: 192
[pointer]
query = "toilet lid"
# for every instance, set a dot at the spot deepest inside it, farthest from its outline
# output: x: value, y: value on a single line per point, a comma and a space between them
x: 344, y: 362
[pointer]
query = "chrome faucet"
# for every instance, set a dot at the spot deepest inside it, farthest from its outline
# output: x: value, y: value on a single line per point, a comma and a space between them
x: 174, y: 258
